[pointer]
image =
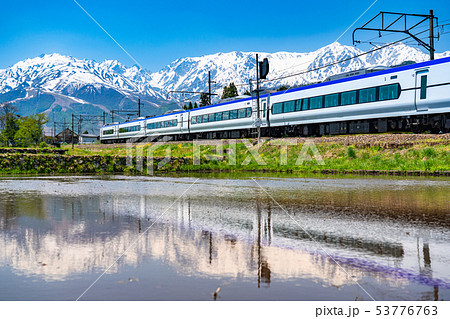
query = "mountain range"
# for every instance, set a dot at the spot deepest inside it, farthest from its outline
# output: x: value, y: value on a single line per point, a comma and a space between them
x: 61, y: 85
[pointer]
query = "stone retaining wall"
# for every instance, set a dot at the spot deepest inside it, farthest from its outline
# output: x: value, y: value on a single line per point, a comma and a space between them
x: 33, y: 151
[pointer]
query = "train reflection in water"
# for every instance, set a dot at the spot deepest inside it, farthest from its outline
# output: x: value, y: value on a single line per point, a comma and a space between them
x: 239, y: 234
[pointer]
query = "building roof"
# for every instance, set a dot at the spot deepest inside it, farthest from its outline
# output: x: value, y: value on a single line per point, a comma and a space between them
x: 88, y: 135
x: 66, y: 131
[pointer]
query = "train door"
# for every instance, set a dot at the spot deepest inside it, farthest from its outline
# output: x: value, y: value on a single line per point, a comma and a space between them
x: 263, y: 104
x: 181, y: 124
x: 183, y: 119
x: 263, y: 111
x: 421, y: 91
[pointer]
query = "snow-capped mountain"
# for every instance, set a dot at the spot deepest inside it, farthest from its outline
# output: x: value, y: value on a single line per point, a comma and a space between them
x: 63, y: 74
x: 238, y: 67
x: 61, y: 85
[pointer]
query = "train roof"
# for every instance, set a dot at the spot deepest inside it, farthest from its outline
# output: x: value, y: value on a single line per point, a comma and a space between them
x: 368, y: 75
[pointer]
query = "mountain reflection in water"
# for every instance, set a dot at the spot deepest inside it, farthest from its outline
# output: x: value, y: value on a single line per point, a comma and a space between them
x: 391, y: 236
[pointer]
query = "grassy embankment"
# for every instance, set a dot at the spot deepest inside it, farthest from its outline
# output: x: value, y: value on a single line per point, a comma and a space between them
x: 428, y: 156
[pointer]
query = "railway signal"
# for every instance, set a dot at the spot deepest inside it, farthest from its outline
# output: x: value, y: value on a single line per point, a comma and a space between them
x: 262, y: 69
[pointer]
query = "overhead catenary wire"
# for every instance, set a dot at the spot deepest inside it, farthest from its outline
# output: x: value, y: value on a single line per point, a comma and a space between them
x: 340, y: 61
x: 367, y: 41
x: 347, y: 59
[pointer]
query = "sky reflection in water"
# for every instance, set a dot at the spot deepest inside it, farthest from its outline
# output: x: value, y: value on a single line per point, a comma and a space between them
x: 57, y: 235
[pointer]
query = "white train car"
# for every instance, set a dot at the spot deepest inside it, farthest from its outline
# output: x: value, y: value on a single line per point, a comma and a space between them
x: 229, y: 119
x: 413, y: 97
x: 116, y: 132
x: 163, y: 125
x: 367, y: 102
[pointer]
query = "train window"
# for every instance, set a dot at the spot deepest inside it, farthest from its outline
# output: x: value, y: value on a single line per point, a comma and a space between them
x: 264, y: 110
x: 289, y: 106
x: 315, y: 102
x: 348, y: 98
x: 199, y: 119
x: 226, y: 115
x: 305, y: 104
x: 423, y: 87
x: 233, y: 114
x: 249, y: 110
x: 158, y: 125
x: 205, y: 118
x: 367, y: 95
x: 298, y: 105
x: 277, y: 108
x: 194, y: 120
x: 219, y: 116
x: 242, y: 113
x: 108, y: 132
x: 211, y: 117
x: 388, y: 92
x: 174, y: 122
x: 332, y: 100
x: 130, y: 129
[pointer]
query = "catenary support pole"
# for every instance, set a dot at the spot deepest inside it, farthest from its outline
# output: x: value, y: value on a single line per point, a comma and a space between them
x: 431, y: 35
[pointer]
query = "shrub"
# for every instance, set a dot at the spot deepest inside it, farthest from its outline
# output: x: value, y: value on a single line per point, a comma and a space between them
x: 351, y: 152
x: 429, y: 152
x: 43, y: 145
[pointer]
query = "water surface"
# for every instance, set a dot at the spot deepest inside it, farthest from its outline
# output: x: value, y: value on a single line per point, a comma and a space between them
x: 165, y: 238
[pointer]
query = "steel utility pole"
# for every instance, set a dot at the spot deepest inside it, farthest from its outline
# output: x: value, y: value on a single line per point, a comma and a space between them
x: 209, y: 86
x: 195, y: 92
x: 139, y: 107
x: 431, y: 16
x: 72, y: 132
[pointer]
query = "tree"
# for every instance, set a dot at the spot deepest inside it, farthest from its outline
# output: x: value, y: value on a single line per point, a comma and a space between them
x: 31, y: 130
x: 229, y: 91
x: 204, y: 99
x: 247, y: 93
x: 9, y: 124
x: 282, y: 88
x: 190, y: 105
x: 195, y: 105
x: 185, y: 107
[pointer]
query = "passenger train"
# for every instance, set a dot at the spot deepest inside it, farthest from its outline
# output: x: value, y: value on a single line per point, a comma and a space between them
x: 413, y: 97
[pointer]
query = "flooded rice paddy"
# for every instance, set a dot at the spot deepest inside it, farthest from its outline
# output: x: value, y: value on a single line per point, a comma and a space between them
x: 179, y: 238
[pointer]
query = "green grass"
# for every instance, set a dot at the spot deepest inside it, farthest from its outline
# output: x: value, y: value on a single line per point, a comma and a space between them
x: 268, y: 156
x: 417, y: 157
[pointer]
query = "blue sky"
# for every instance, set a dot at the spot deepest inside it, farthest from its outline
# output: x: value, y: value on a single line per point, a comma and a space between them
x: 157, y: 32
